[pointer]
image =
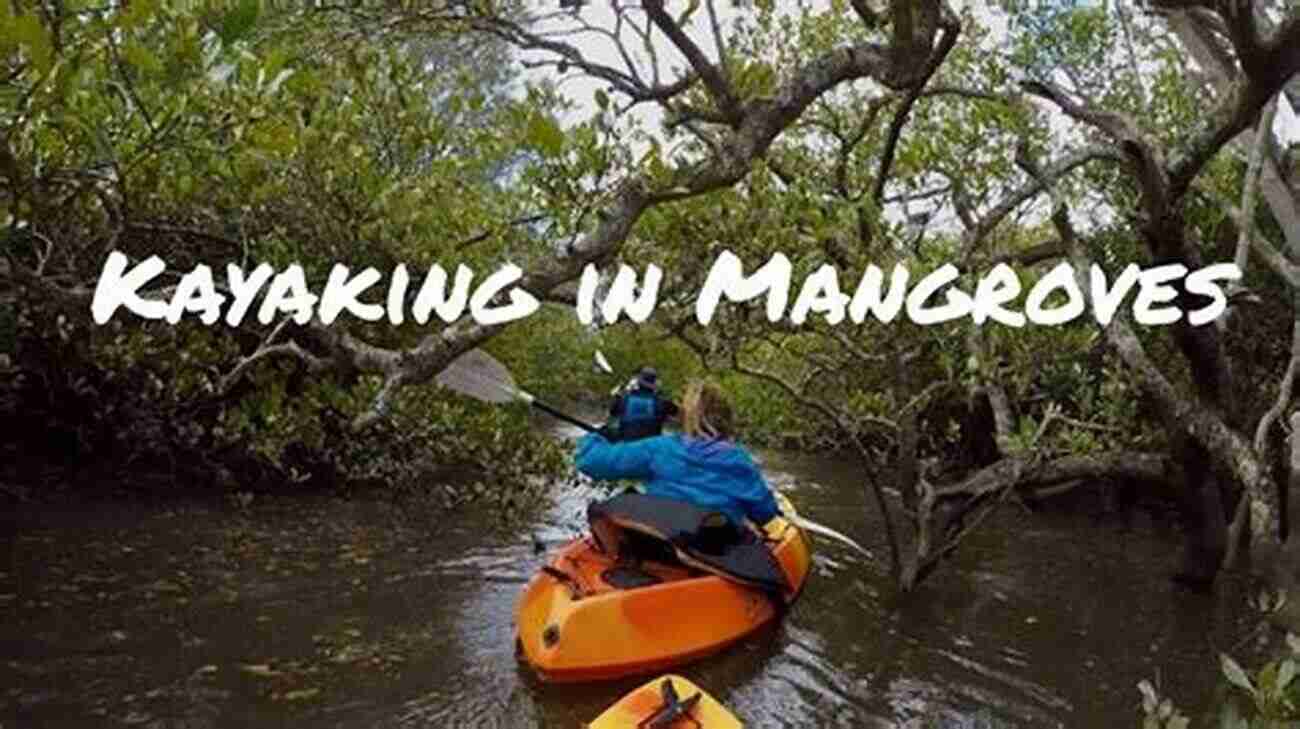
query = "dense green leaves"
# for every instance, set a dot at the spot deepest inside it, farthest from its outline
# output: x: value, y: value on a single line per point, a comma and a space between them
x: 239, y: 20
x: 249, y: 134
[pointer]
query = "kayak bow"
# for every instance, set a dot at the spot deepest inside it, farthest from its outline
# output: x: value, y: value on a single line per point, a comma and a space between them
x: 668, y: 702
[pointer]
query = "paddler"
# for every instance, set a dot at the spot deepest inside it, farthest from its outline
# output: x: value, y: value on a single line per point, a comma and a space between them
x: 640, y: 410
x: 702, y: 465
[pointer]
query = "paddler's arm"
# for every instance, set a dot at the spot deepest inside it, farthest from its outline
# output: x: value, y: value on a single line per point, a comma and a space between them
x: 758, y: 502
x: 600, y: 459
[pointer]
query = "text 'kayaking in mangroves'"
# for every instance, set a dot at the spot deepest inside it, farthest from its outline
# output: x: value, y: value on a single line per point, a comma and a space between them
x: 928, y: 299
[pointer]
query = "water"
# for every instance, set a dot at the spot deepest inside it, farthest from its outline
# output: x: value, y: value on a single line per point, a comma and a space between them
x: 330, y: 613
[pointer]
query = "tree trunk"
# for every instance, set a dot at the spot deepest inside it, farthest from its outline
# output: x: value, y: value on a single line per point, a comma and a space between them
x: 907, y: 468
x: 1203, y: 515
x: 1205, y: 520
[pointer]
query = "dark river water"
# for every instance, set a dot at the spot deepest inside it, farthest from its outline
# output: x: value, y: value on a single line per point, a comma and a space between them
x: 363, y: 613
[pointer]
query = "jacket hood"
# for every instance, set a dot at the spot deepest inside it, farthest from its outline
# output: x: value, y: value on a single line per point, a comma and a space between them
x: 716, y: 454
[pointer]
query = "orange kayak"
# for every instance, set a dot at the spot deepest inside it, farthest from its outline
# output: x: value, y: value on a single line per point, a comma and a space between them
x: 668, y: 702
x: 574, y: 624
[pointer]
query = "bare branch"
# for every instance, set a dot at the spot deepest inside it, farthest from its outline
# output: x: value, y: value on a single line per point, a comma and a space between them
x: 1267, y: 68
x: 924, y: 396
x: 900, y: 118
x: 869, y: 17
x: 1034, y: 187
x: 625, y: 83
x: 268, y: 350
x: 495, y: 230
x: 969, y: 93
x: 1136, y: 465
x: 1264, y: 129
x: 848, y: 144
x: 1284, y: 392
x: 719, y: 43
x: 1144, y: 156
x: 1003, y: 423
x: 1116, y: 126
x: 844, y: 422
x: 1272, y: 257
x: 714, y: 80
x: 380, y: 407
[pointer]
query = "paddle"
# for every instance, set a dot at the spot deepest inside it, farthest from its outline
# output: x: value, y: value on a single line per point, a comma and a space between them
x: 479, y: 375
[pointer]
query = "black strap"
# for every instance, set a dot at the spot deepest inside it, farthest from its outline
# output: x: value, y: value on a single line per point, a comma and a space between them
x: 564, y: 577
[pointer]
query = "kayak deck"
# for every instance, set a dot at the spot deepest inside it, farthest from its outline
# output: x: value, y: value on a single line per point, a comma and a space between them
x: 578, y: 620
x: 649, y: 706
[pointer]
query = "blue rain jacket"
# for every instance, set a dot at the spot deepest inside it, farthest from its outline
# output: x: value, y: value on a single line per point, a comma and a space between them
x: 711, y: 474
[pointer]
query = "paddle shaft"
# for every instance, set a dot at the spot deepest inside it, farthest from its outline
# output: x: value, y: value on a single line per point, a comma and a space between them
x: 562, y: 416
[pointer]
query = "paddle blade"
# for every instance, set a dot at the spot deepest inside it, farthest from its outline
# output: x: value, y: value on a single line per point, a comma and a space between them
x: 815, y: 528
x: 478, y: 375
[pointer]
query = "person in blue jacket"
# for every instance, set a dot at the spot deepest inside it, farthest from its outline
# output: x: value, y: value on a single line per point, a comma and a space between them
x: 641, y: 410
x: 702, y: 465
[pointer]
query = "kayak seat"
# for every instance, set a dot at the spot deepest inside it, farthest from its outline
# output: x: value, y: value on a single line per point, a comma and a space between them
x: 700, y: 539
x: 645, y: 548
x: 628, y: 577
x: 716, y: 535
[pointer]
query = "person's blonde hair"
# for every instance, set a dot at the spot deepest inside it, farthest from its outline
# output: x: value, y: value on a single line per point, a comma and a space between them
x: 706, y: 412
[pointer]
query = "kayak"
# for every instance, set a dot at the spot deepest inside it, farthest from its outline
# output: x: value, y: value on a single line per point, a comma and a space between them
x: 581, y: 618
x: 668, y: 702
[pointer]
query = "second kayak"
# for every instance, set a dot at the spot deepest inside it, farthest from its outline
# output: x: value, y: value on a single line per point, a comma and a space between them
x: 668, y: 702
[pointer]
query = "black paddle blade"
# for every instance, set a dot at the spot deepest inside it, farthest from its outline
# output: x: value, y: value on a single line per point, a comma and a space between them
x: 478, y: 375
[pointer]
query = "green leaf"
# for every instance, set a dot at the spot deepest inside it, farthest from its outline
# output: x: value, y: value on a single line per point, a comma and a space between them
x: 27, y: 30
x: 546, y: 134
x: 137, y: 13
x: 1234, y: 673
x: 602, y: 99
x: 1286, y: 674
x: 139, y: 56
x: 1229, y: 718
x: 237, y: 23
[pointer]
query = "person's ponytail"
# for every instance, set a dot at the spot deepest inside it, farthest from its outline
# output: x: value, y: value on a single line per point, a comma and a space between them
x: 706, y: 413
